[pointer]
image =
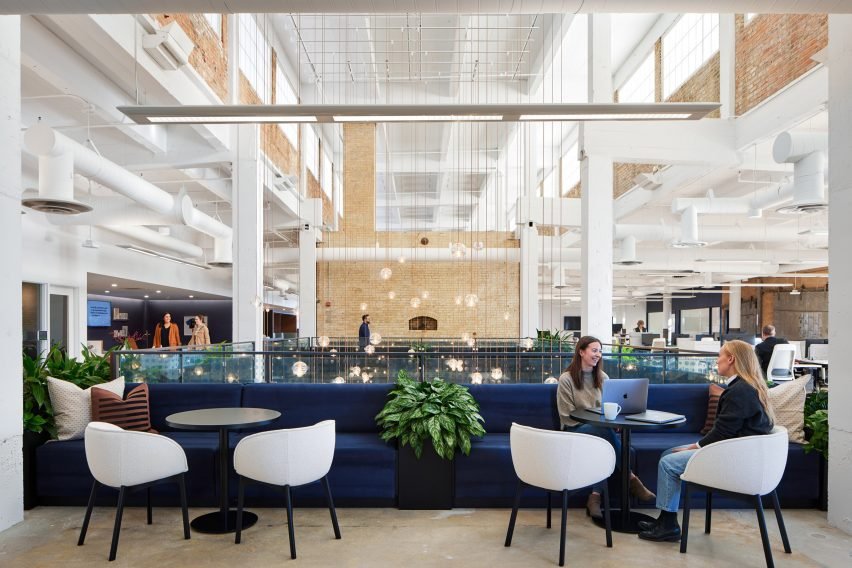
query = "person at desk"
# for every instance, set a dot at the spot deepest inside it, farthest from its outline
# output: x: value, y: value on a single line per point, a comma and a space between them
x: 364, y: 331
x: 166, y: 333
x: 580, y: 387
x: 640, y: 327
x: 765, y: 348
x: 744, y: 410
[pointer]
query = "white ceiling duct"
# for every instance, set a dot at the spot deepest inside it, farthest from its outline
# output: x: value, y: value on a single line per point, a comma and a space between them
x: 688, y: 230
x: 55, y: 186
x: 807, y: 152
x: 558, y: 276
x: 628, y: 252
x: 154, y: 238
x: 750, y: 206
x: 735, y: 234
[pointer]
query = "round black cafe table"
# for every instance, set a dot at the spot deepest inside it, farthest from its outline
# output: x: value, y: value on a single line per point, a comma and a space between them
x: 622, y: 519
x: 222, y: 419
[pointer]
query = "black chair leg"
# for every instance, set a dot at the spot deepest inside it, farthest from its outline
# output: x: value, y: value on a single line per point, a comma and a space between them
x: 514, y: 515
x: 331, y: 508
x: 764, y: 535
x: 684, y: 532
x: 607, y: 521
x: 88, y: 516
x: 241, y: 491
x: 780, y: 520
x: 290, y: 530
x: 183, y: 506
x: 549, y: 509
x: 564, y: 526
x: 122, y: 493
x: 148, y: 505
x: 708, y: 511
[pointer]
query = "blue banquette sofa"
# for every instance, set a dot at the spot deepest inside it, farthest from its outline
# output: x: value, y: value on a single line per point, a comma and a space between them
x: 364, y: 471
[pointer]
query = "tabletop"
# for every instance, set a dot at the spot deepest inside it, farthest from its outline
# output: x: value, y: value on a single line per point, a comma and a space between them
x: 588, y: 417
x: 215, y: 418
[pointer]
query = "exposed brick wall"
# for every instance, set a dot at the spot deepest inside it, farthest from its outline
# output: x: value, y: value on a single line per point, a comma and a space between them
x: 772, y: 51
x: 702, y: 86
x: 210, y: 56
x: 623, y: 174
x: 359, y: 179
x: 273, y: 143
x: 315, y: 191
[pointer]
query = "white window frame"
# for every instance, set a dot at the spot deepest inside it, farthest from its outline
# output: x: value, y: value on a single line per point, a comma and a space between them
x: 215, y: 21
x: 255, y: 56
x: 687, y: 46
x: 311, y: 150
x: 286, y: 95
x: 570, y: 170
x: 748, y: 17
x: 640, y: 87
x: 326, y: 173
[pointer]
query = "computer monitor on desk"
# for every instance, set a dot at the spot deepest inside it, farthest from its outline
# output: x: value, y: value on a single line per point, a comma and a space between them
x: 749, y: 338
x: 820, y: 350
x: 648, y: 338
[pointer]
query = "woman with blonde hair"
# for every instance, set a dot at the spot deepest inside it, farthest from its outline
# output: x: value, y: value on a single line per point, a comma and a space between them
x: 744, y: 410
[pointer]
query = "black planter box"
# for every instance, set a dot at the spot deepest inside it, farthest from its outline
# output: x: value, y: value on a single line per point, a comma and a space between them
x: 425, y: 483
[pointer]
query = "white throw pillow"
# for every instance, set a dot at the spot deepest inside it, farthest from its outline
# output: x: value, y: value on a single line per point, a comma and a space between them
x: 72, y: 406
x: 788, y: 402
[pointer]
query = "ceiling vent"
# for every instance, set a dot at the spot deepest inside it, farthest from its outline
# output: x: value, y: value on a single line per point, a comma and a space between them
x: 55, y: 187
x: 223, y: 256
x: 169, y: 46
x: 628, y: 252
x: 559, y: 279
x: 284, y: 182
x: 688, y: 230
x: 806, y: 151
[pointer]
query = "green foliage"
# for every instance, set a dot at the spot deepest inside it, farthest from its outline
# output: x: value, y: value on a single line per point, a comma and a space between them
x: 553, y: 340
x: 90, y: 370
x: 816, y: 422
x: 444, y: 412
x: 420, y: 347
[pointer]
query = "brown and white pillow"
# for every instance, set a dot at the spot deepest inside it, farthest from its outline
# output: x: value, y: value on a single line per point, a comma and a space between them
x: 132, y: 413
x: 788, y: 402
x: 72, y: 406
x: 712, y: 407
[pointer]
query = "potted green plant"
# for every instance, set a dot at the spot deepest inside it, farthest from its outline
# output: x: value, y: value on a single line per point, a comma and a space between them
x: 431, y: 421
x: 39, y: 426
x: 816, y: 429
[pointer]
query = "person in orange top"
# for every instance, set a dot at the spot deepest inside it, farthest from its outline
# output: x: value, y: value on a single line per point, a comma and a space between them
x: 166, y: 333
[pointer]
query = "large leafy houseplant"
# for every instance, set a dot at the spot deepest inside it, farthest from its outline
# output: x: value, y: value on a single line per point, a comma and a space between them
x: 445, y: 413
x: 90, y: 370
x: 816, y: 422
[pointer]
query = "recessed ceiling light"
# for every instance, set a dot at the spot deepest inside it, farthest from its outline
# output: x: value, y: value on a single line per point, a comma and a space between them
x: 191, y: 296
x: 159, y: 292
x: 106, y: 291
x: 146, y: 295
x: 114, y: 285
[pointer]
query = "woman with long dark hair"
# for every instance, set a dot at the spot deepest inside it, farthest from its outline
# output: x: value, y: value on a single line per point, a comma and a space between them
x: 744, y: 410
x: 579, y: 388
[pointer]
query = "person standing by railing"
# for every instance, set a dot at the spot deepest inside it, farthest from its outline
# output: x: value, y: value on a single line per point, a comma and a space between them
x: 364, y: 331
x: 200, y: 332
x: 166, y: 333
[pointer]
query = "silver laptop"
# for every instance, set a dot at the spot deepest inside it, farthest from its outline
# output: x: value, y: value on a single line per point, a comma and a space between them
x: 631, y: 394
x: 655, y: 417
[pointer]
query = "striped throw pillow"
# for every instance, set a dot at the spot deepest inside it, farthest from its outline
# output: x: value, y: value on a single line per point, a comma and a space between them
x: 132, y: 413
x: 712, y: 406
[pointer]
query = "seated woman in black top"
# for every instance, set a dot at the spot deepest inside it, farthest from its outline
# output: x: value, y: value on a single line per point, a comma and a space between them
x: 744, y: 410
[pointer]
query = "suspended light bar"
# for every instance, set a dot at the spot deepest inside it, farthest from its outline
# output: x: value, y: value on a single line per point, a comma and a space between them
x: 149, y: 252
x: 234, y: 114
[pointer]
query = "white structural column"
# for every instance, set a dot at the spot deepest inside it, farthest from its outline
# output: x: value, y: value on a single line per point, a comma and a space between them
x: 596, y: 207
x: 840, y: 261
x: 667, y: 316
x: 735, y: 308
x: 11, y: 403
x: 530, y: 254
x: 248, y: 237
x: 727, y: 69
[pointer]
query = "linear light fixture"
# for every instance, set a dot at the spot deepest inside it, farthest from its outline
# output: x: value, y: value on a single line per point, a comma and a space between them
x: 149, y: 252
x: 235, y: 114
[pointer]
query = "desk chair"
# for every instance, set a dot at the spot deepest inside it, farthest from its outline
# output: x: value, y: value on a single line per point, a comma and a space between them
x: 781, y: 363
x: 286, y: 459
x: 128, y: 461
x: 760, y: 465
x: 559, y: 461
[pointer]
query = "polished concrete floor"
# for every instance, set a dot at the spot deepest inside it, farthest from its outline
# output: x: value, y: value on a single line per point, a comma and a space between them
x: 388, y: 537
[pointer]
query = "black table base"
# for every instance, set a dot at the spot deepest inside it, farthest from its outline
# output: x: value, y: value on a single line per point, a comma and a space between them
x: 624, y: 524
x: 214, y: 523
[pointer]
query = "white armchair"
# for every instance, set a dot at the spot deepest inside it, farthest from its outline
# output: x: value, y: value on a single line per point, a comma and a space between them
x: 286, y: 458
x: 760, y: 463
x: 128, y: 461
x: 781, y: 363
x: 559, y: 461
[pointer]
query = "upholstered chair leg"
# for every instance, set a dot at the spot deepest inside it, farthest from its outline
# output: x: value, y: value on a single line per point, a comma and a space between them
x: 607, y: 522
x: 331, y: 508
x: 119, y: 511
x: 780, y: 520
x: 183, y: 507
x: 290, y: 530
x: 764, y: 535
x: 514, y: 514
x: 241, y: 489
x: 684, y: 532
x: 88, y: 516
x: 148, y: 506
x: 549, y: 509
x: 708, y: 511
x: 564, y: 527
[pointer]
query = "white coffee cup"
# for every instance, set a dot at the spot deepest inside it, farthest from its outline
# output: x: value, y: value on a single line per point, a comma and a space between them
x: 611, y: 410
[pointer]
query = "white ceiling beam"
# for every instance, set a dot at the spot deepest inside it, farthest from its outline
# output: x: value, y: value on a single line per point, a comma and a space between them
x: 643, y: 48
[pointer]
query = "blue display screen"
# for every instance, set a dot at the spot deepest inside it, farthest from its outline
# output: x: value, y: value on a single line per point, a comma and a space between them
x: 99, y: 313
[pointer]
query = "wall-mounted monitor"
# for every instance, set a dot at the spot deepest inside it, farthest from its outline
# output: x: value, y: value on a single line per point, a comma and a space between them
x: 99, y: 313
